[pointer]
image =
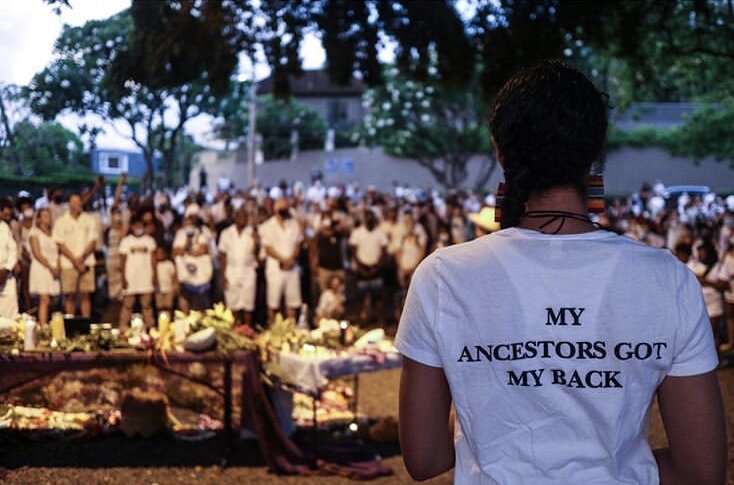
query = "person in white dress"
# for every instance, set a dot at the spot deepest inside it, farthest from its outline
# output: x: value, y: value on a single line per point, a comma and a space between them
x: 8, y: 260
x: 45, y: 270
x: 238, y: 263
x: 138, y: 265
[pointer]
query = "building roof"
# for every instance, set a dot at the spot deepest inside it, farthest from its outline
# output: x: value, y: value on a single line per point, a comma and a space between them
x: 314, y: 83
x: 657, y: 114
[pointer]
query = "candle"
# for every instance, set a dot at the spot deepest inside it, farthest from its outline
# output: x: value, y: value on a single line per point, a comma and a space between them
x: 58, y: 330
x: 29, y: 334
x: 343, y: 325
x: 164, y: 322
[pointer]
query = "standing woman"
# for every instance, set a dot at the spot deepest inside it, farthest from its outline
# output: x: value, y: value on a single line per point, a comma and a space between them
x: 550, y: 337
x: 45, y: 271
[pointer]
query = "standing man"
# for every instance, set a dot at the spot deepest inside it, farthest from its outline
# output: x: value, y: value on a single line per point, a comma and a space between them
x: 368, y: 245
x: 281, y: 238
x: 8, y: 260
x: 238, y: 263
x: 76, y: 235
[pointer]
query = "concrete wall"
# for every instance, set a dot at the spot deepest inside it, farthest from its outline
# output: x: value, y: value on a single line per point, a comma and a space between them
x: 626, y: 170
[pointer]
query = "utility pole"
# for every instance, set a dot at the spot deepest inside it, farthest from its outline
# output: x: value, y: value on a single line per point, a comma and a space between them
x: 252, y: 127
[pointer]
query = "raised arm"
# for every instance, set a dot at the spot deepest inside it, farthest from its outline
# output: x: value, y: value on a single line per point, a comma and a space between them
x: 694, y: 421
x: 426, y: 427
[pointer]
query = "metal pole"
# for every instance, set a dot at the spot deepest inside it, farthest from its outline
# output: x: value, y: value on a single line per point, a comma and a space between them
x: 252, y: 127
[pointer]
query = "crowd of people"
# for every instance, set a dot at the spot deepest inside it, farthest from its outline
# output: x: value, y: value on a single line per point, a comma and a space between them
x: 300, y: 251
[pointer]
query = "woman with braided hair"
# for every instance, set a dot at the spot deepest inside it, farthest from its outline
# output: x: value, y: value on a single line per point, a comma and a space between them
x: 551, y: 337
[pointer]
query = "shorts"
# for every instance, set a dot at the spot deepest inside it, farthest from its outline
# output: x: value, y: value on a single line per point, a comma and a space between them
x: 164, y: 301
x: 280, y: 283
x: 70, y: 278
x: 240, y: 291
x: 372, y: 287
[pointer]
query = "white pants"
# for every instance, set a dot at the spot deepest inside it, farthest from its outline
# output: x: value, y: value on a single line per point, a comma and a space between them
x: 240, y: 291
x: 281, y: 282
x: 9, y: 299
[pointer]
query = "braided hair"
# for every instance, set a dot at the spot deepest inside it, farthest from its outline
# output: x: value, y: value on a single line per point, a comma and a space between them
x: 549, y: 124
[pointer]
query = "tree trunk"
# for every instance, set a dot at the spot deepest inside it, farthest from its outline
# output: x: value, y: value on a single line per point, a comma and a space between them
x: 148, y: 155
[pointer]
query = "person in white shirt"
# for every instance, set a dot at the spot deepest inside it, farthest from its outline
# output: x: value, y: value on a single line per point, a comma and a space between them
x: 167, y: 288
x: 550, y: 338
x: 138, y: 267
x: 75, y: 233
x: 331, y: 300
x: 45, y: 271
x: 238, y: 263
x: 369, y: 243
x: 8, y: 260
x: 281, y: 237
x: 194, y: 268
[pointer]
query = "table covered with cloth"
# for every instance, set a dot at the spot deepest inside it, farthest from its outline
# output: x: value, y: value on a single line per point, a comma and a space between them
x: 281, y: 454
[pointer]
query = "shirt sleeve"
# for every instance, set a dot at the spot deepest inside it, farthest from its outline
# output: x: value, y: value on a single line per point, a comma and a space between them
x: 124, y: 246
x: 224, y: 241
x: 56, y: 231
x: 416, y: 337
x: 695, y: 351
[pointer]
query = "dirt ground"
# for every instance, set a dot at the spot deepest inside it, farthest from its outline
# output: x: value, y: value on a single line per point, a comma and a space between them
x: 117, y: 460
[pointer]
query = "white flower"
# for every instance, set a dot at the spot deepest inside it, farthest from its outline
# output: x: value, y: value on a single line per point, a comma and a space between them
x: 386, y: 106
x: 65, y: 83
x: 425, y: 103
x: 429, y: 89
x: 567, y: 52
x: 380, y: 123
x: 372, y: 131
x: 419, y: 94
x: 48, y: 78
x: 432, y: 70
x: 389, y: 122
x: 408, y: 105
x: 425, y: 118
x: 109, y: 44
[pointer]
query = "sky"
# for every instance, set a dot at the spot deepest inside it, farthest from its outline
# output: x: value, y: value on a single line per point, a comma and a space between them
x: 28, y: 29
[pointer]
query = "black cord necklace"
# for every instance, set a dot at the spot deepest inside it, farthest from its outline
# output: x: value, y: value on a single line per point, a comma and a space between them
x: 556, y: 215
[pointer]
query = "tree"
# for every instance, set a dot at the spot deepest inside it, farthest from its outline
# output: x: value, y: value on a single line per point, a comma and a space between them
x: 277, y: 119
x: 45, y: 149
x: 440, y: 128
x: 91, y: 75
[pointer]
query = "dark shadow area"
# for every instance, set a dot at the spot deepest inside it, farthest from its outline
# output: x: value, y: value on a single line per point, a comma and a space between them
x: 56, y: 449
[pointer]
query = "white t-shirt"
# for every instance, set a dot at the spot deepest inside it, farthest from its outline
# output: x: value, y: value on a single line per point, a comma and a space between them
x: 369, y: 244
x: 240, y: 250
x: 166, y: 272
x: 553, y: 347
x: 194, y: 270
x: 76, y: 234
x: 282, y: 238
x: 138, y: 252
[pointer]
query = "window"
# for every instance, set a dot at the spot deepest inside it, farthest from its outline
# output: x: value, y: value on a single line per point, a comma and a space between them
x: 113, y: 163
x: 337, y: 112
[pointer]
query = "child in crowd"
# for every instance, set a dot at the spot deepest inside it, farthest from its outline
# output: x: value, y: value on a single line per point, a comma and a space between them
x: 331, y: 301
x: 167, y: 281
x: 137, y: 266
